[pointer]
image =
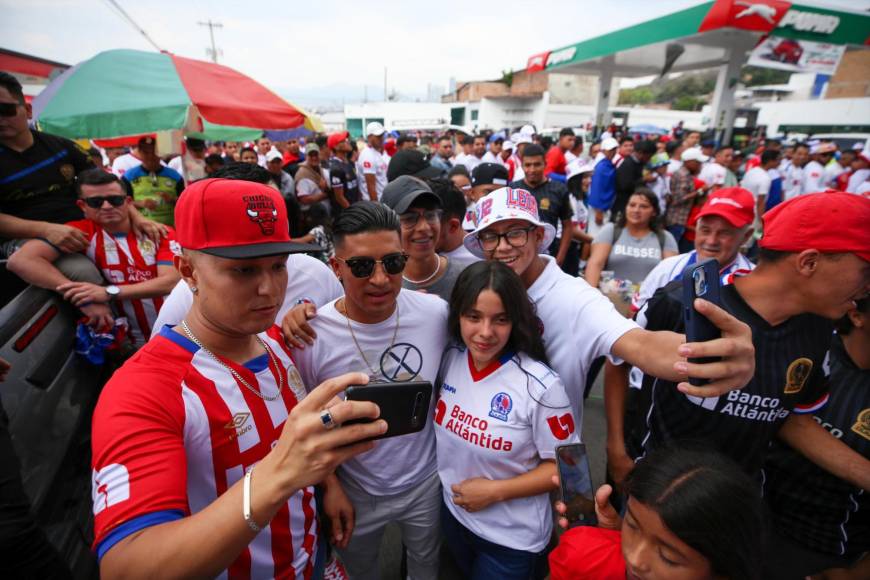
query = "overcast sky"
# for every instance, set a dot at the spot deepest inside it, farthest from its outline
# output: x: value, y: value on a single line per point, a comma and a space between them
x: 333, y: 47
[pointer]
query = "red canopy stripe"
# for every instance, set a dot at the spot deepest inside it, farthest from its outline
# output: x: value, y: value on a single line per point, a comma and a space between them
x: 226, y: 97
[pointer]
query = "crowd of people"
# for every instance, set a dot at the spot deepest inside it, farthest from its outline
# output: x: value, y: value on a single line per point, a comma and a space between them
x: 252, y: 283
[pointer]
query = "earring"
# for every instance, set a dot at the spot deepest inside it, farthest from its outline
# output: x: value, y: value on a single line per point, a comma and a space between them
x: 194, y: 289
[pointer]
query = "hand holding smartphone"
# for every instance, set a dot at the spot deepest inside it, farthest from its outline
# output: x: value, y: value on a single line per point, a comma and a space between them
x: 700, y: 281
x: 404, y: 405
x: 575, y: 484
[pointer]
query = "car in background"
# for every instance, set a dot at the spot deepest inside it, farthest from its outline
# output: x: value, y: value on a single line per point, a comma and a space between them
x: 845, y: 141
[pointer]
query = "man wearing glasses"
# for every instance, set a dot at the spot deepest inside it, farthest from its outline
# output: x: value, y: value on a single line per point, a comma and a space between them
x: 139, y: 272
x: 391, y: 334
x: 420, y: 213
x: 579, y: 324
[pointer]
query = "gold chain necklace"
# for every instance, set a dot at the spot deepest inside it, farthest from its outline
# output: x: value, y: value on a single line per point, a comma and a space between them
x: 233, y: 372
x: 359, y: 348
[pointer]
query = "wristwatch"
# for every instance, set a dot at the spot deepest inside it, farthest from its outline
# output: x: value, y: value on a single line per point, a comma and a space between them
x: 113, y: 292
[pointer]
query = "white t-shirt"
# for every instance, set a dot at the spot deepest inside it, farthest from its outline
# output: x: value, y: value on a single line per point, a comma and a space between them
x: 814, y: 177
x: 188, y: 167
x: 125, y: 163
x: 833, y: 170
x: 579, y: 325
x: 758, y: 181
x: 662, y: 188
x: 461, y: 254
x: 308, y: 280
x: 499, y: 423
x: 490, y: 157
x: 857, y: 180
x: 673, y: 166
x: 400, y: 463
x: 713, y: 174
x: 792, y: 182
x: 372, y: 162
x: 469, y: 161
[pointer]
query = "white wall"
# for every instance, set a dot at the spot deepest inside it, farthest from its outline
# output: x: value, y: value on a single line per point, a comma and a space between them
x: 401, y: 116
x: 814, y: 112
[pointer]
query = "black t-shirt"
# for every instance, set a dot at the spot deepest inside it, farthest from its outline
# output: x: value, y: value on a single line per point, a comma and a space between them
x: 809, y: 504
x: 343, y: 174
x: 552, y: 197
x: 789, y: 376
x: 629, y: 176
x: 39, y: 183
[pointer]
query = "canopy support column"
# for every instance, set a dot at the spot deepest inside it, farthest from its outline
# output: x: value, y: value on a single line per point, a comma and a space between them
x: 722, y: 108
x: 602, y: 105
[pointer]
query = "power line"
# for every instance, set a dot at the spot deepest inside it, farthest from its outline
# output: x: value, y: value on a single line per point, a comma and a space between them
x: 133, y: 23
x: 213, y: 51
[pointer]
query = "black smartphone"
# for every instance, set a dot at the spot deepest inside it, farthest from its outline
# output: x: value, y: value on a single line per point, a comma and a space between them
x: 700, y: 281
x: 404, y: 405
x: 575, y: 484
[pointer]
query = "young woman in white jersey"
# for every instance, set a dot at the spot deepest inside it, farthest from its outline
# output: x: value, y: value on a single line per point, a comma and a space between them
x: 500, y: 414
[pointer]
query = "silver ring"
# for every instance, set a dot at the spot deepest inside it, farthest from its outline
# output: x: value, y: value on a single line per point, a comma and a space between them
x: 327, y: 420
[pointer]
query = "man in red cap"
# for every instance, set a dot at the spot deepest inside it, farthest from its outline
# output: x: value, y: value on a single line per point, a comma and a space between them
x: 204, y: 450
x: 814, y: 263
x: 342, y: 171
x: 723, y: 226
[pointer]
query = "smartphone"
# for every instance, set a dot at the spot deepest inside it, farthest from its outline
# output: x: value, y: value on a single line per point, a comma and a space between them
x: 700, y: 281
x: 575, y: 484
x: 404, y: 405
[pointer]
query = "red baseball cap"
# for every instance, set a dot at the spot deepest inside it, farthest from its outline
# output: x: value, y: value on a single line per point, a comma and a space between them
x: 588, y: 552
x: 233, y: 218
x: 733, y: 204
x: 831, y: 222
x: 336, y: 138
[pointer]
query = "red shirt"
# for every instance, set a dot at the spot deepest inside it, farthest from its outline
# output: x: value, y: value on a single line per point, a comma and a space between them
x: 124, y: 259
x: 555, y: 161
x: 173, y: 430
x: 588, y: 553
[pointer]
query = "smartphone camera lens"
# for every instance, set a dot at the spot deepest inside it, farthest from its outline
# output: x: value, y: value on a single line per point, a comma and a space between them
x: 700, y: 279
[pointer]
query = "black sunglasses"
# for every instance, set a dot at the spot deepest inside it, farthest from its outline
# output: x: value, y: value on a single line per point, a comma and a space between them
x: 8, y: 109
x: 364, y: 267
x: 96, y: 202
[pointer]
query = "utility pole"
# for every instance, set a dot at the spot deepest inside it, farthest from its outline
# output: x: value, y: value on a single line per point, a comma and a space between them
x: 213, y: 51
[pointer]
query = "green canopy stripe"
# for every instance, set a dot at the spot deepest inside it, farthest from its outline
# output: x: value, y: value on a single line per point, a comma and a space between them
x: 143, y: 85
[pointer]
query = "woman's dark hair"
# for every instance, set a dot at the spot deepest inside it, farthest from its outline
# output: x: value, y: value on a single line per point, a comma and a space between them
x: 365, y: 216
x: 654, y: 222
x: 707, y: 501
x: 95, y: 176
x: 495, y: 276
x: 459, y: 170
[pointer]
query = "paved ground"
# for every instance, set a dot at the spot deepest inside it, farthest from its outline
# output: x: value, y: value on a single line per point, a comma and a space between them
x: 594, y: 435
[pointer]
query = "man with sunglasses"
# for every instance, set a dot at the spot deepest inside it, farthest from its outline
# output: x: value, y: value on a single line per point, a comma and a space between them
x: 420, y: 213
x: 391, y: 334
x: 140, y: 273
x: 579, y: 324
x: 37, y: 188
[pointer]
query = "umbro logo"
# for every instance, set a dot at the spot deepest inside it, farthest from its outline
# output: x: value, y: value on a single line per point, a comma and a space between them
x: 238, y: 420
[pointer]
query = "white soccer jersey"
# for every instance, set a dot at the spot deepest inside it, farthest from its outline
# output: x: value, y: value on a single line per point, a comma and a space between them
x: 713, y: 174
x: 579, y: 324
x: 499, y: 423
x: 372, y: 162
x: 399, y: 463
x: 308, y: 280
x: 814, y: 178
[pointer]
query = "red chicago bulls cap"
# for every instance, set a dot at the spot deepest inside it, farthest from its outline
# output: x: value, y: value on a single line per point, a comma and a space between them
x: 236, y: 219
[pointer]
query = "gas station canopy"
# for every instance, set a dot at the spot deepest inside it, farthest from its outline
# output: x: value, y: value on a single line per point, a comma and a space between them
x: 720, y: 34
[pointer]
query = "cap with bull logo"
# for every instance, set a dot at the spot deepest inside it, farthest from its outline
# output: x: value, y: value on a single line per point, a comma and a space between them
x: 235, y: 219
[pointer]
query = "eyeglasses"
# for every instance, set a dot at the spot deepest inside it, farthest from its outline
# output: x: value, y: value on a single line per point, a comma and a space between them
x: 8, y: 109
x: 364, y: 267
x: 411, y: 219
x: 96, y: 202
x: 516, y: 238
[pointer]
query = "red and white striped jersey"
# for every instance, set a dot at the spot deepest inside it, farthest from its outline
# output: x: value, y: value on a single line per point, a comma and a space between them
x: 125, y: 259
x: 173, y: 430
